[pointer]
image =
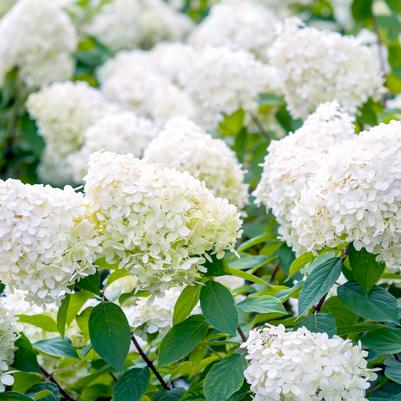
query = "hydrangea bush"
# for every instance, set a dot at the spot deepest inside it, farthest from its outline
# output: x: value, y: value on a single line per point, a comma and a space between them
x: 200, y: 200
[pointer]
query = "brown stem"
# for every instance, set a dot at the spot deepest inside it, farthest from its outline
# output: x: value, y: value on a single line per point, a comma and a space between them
x: 149, y: 363
x: 319, y: 305
x: 241, y: 334
x: 274, y: 272
x: 50, y: 377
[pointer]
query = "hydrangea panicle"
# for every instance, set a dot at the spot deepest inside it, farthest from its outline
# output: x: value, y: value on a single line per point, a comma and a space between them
x: 305, y: 366
x: 186, y: 147
x: 157, y: 223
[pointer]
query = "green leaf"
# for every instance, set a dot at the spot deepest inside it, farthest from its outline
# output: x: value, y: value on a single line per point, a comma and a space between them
x: 90, y: 283
x: 246, y: 261
x: 247, y: 276
x: 362, y: 9
x: 343, y: 316
x: 57, y: 346
x: 181, y: 339
x: 13, y: 396
x: 393, y: 370
x: 62, y: 314
x: 365, y: 269
x: 41, y: 320
x: 45, y: 392
x: 131, y: 385
x: 261, y: 304
x: 319, y: 282
x: 169, y: 395
x: 69, y: 308
x: 187, y: 300
x: 300, y: 262
x: 395, y: 5
x: 319, y: 323
x: 25, y: 356
x: 383, y: 341
x: 378, y: 305
x: 109, y: 333
x: 225, y: 378
x: 217, y: 267
x: 218, y: 307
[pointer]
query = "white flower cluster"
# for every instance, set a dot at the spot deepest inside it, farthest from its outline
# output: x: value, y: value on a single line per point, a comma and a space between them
x: 157, y: 223
x: 186, y: 147
x: 176, y: 79
x: 356, y: 197
x: 292, y: 162
x: 147, y: 93
x: 37, y: 37
x: 127, y: 24
x: 305, y: 366
x: 7, y: 339
x: 46, y: 239
x: 63, y: 113
x: 121, y: 132
x: 237, y: 25
x: 319, y: 66
x: 155, y: 312
x: 220, y: 81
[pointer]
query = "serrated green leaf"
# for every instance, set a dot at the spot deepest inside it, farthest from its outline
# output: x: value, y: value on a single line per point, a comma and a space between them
x: 319, y: 282
x: 169, y: 395
x: 319, y: 323
x: 131, y: 385
x: 300, y: 262
x: 261, y: 304
x: 187, y: 300
x: 393, y: 370
x: 225, y: 378
x: 181, y: 339
x: 218, y: 307
x: 109, y: 333
x: 365, y: 269
x: 383, y: 341
x: 248, y: 276
x: 378, y: 305
x: 25, y: 356
x: 57, y: 346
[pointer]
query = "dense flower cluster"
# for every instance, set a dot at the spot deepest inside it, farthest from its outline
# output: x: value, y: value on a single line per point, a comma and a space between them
x: 37, y: 37
x: 121, y: 132
x: 234, y: 82
x: 319, y: 66
x: 46, y: 239
x: 176, y: 79
x: 63, y: 113
x: 7, y: 347
x: 237, y: 25
x: 157, y: 223
x: 356, y: 196
x: 186, y: 147
x: 147, y: 93
x: 127, y: 24
x: 155, y: 312
x: 292, y: 162
x: 305, y: 366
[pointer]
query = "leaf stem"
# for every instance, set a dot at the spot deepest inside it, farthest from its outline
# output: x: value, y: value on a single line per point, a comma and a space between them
x: 149, y: 363
x: 319, y: 305
x: 241, y: 334
x: 49, y: 376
